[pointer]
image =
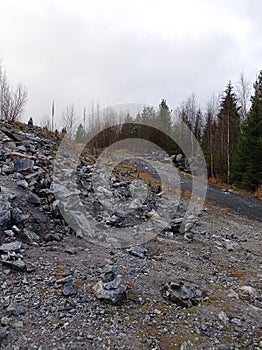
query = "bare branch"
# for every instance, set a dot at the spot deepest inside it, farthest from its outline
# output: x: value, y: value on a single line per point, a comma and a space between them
x: 244, y: 93
x: 12, y: 103
x: 69, y: 120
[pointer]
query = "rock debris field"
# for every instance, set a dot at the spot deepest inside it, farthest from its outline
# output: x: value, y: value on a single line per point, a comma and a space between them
x: 193, y: 284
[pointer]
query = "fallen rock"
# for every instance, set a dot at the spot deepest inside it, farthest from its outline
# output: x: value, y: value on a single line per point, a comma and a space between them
x: 138, y: 250
x: 181, y: 295
x: 69, y: 289
x: 10, y: 247
x: 30, y: 236
x: 33, y: 199
x: 17, y: 265
x: 23, y: 184
x: 22, y: 165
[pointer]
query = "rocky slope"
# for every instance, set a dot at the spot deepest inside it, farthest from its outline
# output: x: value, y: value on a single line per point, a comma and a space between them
x: 196, y: 285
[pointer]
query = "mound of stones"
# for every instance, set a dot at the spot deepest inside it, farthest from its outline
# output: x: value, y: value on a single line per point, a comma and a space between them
x: 181, y: 295
x: 30, y: 206
x: 194, y: 165
x: 110, y: 288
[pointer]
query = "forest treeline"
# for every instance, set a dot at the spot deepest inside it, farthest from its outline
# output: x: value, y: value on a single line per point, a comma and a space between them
x: 228, y: 132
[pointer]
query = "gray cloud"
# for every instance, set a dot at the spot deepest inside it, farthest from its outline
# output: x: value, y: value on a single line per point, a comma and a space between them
x: 132, y: 51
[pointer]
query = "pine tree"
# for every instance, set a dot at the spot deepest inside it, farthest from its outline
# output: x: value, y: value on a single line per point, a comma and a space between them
x: 164, y: 122
x: 247, y: 169
x: 164, y: 116
x: 198, y: 125
x: 80, y: 133
x: 227, y: 132
x: 208, y: 142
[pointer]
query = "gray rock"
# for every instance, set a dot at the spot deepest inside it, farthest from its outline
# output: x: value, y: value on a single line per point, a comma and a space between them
x: 5, y: 212
x: 6, y: 139
x: 188, y: 226
x: 33, y: 199
x: 18, y: 324
x: 179, y: 157
x: 230, y: 245
x: 17, y: 215
x: 223, y: 317
x: 17, y: 265
x: 237, y: 321
x: 109, y: 288
x: 112, y: 296
x: 5, y: 321
x: 189, y: 236
x: 69, y: 289
x: 181, y: 295
x: 30, y: 236
x: 10, y: 247
x: 23, y: 184
x: 121, y: 214
x: 23, y: 165
x: 109, y: 272
x: 138, y: 251
x: 114, y: 284
x: 248, y: 290
x: 21, y: 148
x: 9, y: 233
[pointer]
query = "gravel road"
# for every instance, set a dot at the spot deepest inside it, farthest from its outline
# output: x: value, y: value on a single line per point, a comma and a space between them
x: 243, y: 205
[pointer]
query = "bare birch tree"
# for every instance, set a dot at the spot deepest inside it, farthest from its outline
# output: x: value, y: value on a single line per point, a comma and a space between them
x: 244, y: 93
x: 69, y: 120
x: 12, y: 102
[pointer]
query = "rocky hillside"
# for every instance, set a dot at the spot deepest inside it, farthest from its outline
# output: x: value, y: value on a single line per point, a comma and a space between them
x: 196, y: 284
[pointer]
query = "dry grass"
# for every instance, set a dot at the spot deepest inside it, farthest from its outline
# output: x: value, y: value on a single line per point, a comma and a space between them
x: 258, y: 193
x: 219, y: 183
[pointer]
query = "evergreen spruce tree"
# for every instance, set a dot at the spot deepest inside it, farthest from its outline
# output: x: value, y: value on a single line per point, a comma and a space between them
x: 227, y: 132
x: 80, y: 133
x: 247, y: 169
x: 164, y: 122
x: 164, y: 116
x: 208, y: 142
x: 198, y: 125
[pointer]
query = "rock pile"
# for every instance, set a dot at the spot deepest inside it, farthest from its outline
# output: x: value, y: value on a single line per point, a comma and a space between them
x: 193, y: 165
x: 11, y: 257
x: 110, y: 288
x: 181, y: 295
x: 30, y: 208
x: 26, y: 212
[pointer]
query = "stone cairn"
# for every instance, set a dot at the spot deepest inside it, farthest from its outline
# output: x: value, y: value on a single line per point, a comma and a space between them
x: 110, y: 288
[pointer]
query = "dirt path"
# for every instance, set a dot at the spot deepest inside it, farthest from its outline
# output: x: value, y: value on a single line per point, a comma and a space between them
x: 243, y: 205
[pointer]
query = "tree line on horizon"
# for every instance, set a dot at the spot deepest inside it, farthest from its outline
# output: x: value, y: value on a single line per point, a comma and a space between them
x: 229, y: 131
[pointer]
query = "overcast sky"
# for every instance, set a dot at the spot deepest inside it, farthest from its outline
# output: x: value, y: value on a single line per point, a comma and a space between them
x: 77, y: 51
